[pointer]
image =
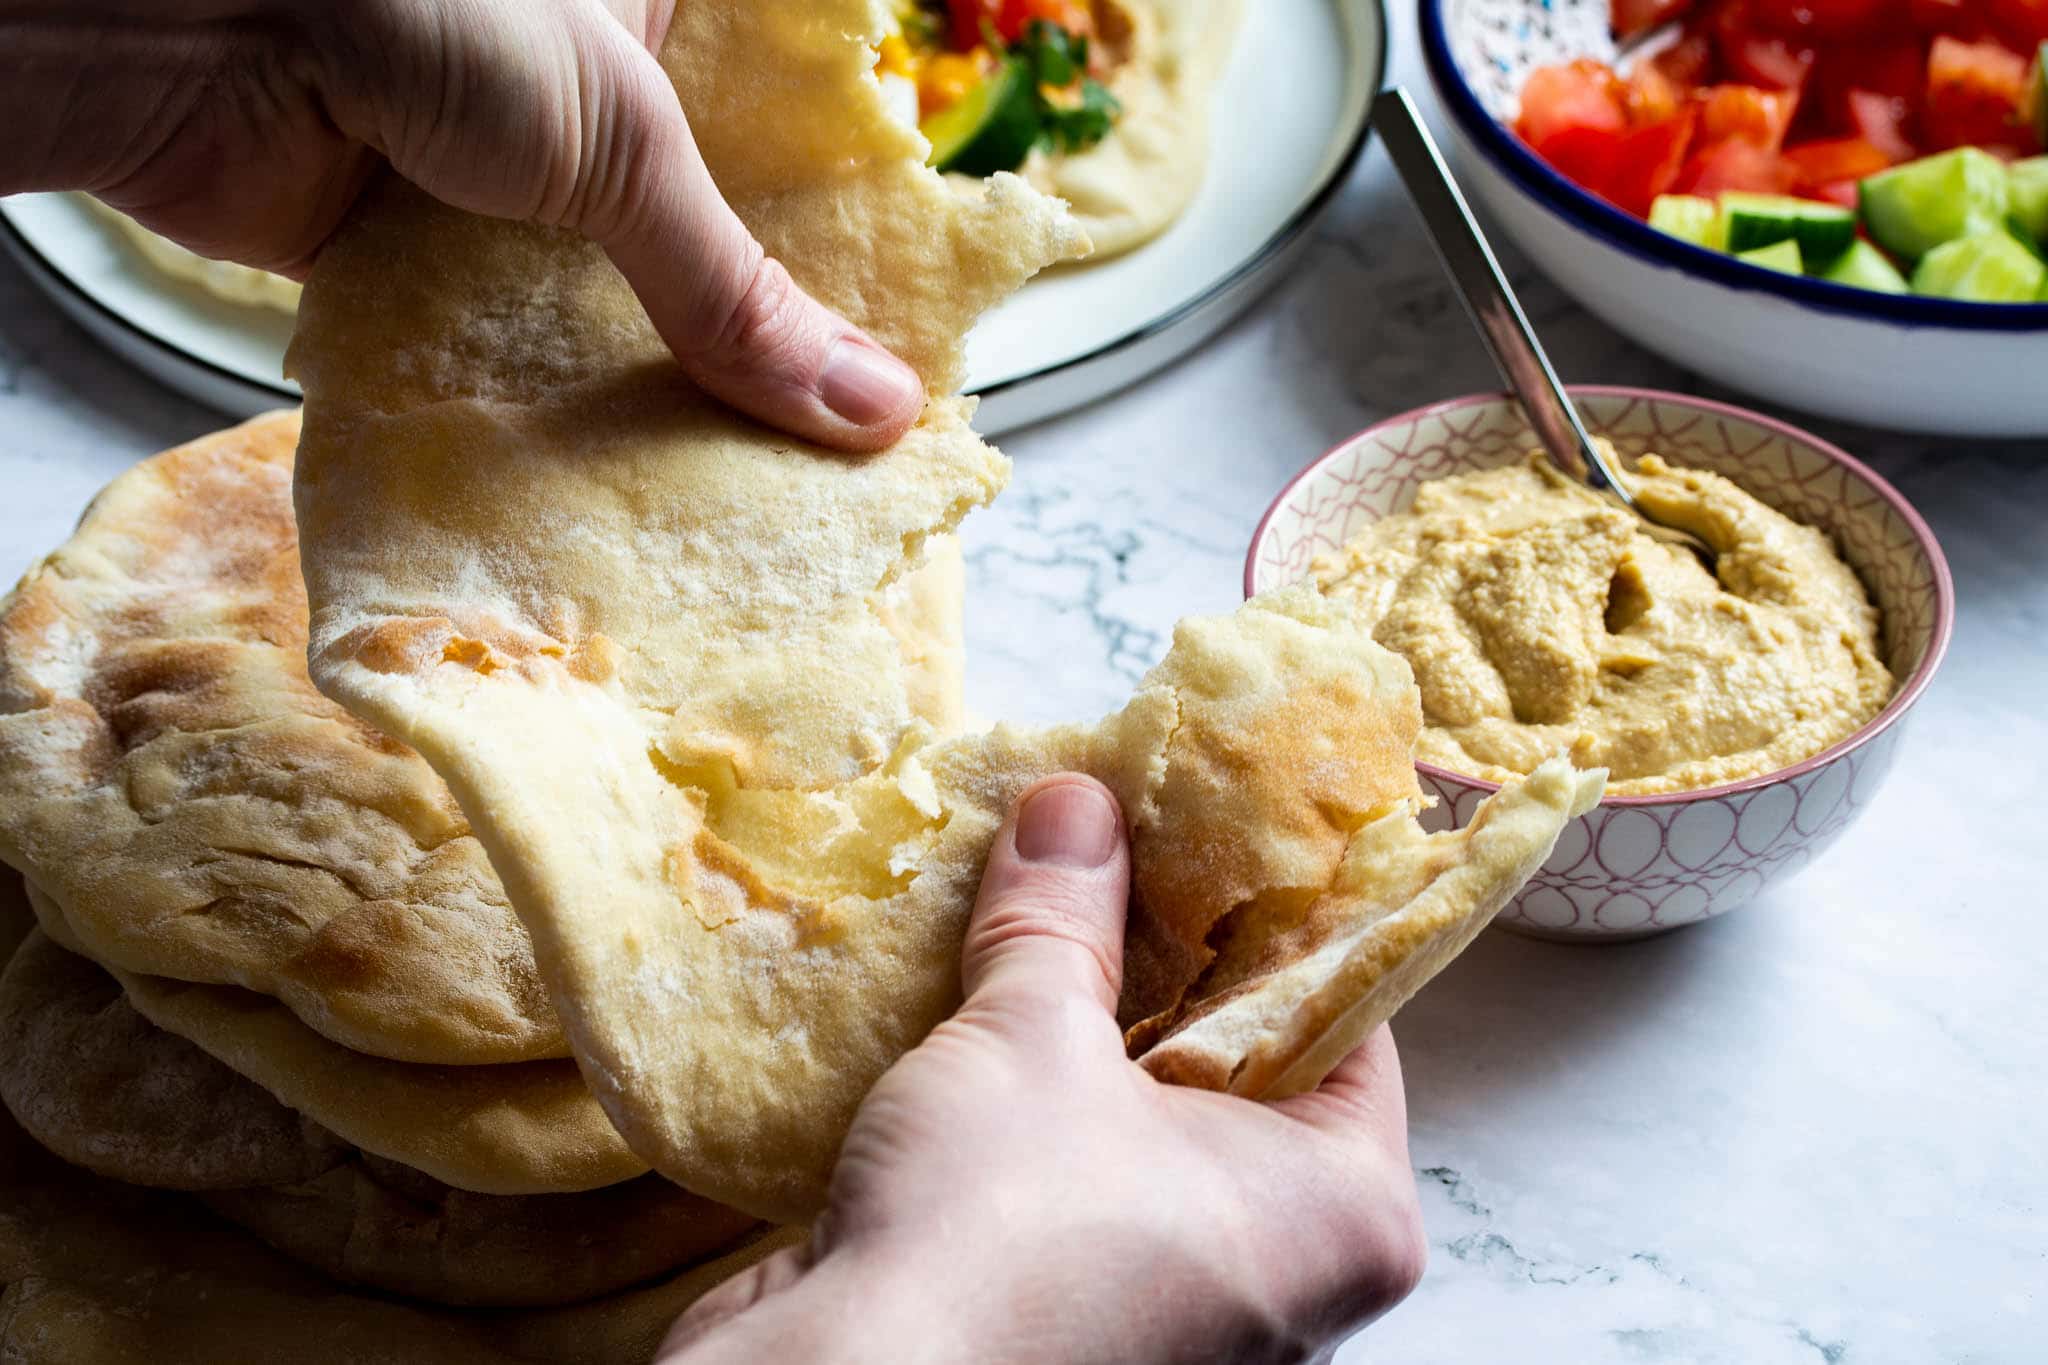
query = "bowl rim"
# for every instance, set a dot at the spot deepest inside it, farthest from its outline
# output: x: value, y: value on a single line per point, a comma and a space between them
x: 1625, y: 232
x: 1902, y: 700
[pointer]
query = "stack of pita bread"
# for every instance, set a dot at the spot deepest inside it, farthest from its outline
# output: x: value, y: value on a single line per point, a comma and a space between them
x: 487, y: 844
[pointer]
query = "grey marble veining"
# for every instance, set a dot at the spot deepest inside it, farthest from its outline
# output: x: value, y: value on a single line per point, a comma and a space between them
x: 1808, y: 1132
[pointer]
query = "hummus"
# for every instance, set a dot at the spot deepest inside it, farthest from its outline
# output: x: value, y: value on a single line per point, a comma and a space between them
x: 1539, y: 618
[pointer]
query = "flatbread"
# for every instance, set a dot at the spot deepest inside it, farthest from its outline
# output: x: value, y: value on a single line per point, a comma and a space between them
x: 637, y: 635
x: 170, y: 777
x: 91, y: 1270
x: 376, y: 1225
x: 1299, y: 979
x: 17, y: 919
x: 1135, y: 183
x: 105, y: 1089
x: 99, y: 1085
x: 518, y: 1128
x: 206, y: 815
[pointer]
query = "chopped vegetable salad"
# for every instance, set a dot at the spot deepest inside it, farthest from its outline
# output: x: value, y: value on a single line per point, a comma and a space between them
x: 1894, y: 145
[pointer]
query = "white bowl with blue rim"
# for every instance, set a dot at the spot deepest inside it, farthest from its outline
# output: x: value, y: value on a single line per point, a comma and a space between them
x: 1904, y: 361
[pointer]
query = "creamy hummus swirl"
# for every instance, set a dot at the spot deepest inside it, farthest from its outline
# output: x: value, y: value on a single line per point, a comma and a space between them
x: 1538, y: 618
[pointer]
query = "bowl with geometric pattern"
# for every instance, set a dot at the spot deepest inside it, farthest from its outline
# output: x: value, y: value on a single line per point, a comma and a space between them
x: 1642, y: 865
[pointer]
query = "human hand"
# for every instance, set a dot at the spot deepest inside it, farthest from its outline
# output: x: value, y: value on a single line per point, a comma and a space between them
x: 1016, y: 1189
x: 245, y: 129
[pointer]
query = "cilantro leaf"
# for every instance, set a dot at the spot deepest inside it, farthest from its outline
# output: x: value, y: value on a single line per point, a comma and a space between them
x: 1084, y: 125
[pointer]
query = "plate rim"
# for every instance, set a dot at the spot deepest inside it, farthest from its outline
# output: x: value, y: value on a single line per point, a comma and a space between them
x: 46, y: 273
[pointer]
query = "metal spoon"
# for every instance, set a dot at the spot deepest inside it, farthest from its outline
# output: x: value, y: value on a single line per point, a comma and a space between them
x: 1502, y: 325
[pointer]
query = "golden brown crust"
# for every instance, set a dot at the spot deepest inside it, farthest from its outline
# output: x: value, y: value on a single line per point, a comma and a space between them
x: 1276, y: 757
x: 170, y: 777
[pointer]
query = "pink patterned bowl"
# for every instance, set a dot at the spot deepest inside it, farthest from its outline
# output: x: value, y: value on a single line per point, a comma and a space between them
x: 1641, y: 865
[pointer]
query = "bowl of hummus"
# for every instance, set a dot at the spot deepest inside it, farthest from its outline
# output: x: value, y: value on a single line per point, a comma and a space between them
x: 1744, y: 715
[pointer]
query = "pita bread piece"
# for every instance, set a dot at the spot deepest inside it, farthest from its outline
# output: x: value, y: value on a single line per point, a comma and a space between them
x: 170, y: 777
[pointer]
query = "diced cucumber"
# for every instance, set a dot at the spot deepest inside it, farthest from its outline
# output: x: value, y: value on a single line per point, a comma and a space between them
x: 1912, y: 209
x: 993, y: 127
x: 1689, y: 218
x: 1823, y: 231
x: 1988, y: 268
x: 2029, y: 182
x: 1780, y: 256
x: 1865, y: 267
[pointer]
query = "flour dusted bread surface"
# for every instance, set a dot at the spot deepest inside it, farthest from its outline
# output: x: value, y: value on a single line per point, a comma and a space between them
x: 518, y: 1128
x: 648, y: 645
x: 170, y: 777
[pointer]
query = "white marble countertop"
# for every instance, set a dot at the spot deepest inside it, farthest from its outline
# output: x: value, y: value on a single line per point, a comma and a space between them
x: 1808, y: 1132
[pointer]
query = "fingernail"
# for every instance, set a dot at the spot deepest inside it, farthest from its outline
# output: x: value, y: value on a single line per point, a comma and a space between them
x: 1067, y: 825
x: 865, y: 385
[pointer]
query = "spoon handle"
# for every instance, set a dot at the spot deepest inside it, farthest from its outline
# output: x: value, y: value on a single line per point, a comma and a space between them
x: 1484, y: 289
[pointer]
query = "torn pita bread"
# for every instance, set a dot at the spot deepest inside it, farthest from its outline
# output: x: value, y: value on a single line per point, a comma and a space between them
x: 95, y: 1083
x: 92, y: 1270
x: 381, y: 1226
x: 105, y: 1089
x: 518, y: 1128
x: 638, y: 636
x: 170, y: 777
x: 17, y: 919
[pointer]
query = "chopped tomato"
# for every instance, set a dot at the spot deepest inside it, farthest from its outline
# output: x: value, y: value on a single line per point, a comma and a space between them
x: 1755, y: 115
x: 1957, y: 18
x: 2023, y: 23
x: 1010, y: 17
x: 1584, y: 155
x: 1880, y: 120
x: 1623, y: 140
x: 1631, y: 17
x: 1976, y: 95
x: 1687, y: 61
x: 1842, y: 192
x: 1650, y: 96
x: 1648, y: 162
x: 1754, y: 55
x: 1734, y: 165
x: 1578, y: 96
x: 1895, y: 66
x: 1829, y: 160
x: 1811, y: 20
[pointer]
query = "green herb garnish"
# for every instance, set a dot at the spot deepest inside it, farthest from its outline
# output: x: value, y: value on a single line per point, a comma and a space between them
x: 1058, y: 59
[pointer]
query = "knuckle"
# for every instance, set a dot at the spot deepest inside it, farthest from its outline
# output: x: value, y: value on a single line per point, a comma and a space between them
x: 1037, y: 910
x: 765, y: 320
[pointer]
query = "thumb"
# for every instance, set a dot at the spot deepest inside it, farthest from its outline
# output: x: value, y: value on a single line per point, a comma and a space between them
x: 1049, y: 923
x: 739, y: 325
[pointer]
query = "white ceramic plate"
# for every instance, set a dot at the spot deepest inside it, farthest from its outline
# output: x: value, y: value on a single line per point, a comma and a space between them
x: 1289, y: 121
